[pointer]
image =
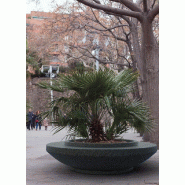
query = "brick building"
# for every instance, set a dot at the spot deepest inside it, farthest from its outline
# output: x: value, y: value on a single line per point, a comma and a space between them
x: 38, y: 37
x: 45, y: 32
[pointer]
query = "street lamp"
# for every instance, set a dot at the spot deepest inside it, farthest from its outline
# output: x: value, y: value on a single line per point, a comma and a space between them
x: 50, y: 71
x: 97, y: 56
x: 96, y: 41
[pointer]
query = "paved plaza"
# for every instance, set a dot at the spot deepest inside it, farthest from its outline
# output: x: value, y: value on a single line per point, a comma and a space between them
x: 43, y: 169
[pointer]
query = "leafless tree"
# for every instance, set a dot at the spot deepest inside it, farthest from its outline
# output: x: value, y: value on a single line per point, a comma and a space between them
x: 146, y: 52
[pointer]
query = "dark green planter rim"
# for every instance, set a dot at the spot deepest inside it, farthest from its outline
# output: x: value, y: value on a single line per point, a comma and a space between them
x: 76, y: 143
x: 92, y: 158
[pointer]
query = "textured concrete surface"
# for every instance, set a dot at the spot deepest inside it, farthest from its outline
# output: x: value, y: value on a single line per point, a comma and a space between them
x: 43, y: 169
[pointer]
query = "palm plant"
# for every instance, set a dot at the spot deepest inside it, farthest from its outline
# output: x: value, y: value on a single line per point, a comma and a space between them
x: 100, y: 106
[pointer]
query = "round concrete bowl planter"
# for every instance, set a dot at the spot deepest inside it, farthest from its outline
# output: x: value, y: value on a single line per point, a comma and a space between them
x: 98, y: 158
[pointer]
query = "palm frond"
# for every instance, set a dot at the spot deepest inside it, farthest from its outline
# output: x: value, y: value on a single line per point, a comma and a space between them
x: 98, y: 96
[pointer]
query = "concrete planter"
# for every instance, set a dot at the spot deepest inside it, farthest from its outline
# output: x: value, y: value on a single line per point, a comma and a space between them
x: 97, y: 158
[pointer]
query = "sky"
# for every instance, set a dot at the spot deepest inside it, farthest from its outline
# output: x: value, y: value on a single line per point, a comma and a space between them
x: 43, y: 5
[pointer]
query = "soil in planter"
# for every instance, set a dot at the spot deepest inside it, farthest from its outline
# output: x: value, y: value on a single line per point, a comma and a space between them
x: 102, y: 142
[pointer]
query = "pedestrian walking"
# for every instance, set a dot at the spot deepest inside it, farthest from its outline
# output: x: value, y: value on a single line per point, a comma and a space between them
x: 38, y: 120
x: 29, y: 118
x: 46, y: 123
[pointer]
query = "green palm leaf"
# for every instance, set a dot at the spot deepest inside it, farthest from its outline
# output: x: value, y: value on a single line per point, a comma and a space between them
x: 97, y: 96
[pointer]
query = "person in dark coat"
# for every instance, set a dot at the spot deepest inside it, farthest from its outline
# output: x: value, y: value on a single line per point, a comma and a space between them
x: 29, y: 118
x: 33, y: 120
x: 38, y: 120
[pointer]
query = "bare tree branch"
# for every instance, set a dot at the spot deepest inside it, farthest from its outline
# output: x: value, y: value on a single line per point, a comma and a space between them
x: 100, y: 23
x: 153, y: 3
x: 132, y: 6
x: 126, y: 34
x: 89, y: 54
x: 145, y: 6
x: 122, y: 56
x: 110, y: 9
x: 107, y: 29
x: 153, y: 13
x: 97, y: 1
x: 110, y: 30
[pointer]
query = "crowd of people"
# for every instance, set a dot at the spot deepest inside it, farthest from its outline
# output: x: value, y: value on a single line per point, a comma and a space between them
x: 34, y: 121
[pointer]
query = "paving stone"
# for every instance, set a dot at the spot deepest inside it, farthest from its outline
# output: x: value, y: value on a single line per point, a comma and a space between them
x: 43, y: 169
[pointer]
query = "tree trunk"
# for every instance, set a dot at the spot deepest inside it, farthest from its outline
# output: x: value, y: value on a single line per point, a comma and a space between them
x: 136, y: 93
x: 136, y: 54
x: 136, y: 46
x: 150, y: 84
